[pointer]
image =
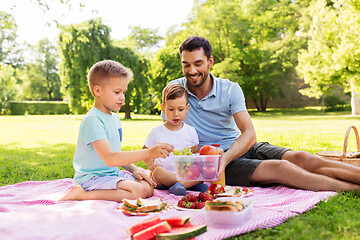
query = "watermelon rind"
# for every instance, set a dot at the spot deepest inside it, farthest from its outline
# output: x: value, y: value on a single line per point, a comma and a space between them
x: 182, y: 233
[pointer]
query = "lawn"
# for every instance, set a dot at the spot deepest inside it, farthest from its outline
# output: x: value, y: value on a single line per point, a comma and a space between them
x: 41, y: 148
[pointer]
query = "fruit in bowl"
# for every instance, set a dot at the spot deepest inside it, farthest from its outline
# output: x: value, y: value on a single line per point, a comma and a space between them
x: 193, y: 172
x: 208, y: 150
x: 208, y: 171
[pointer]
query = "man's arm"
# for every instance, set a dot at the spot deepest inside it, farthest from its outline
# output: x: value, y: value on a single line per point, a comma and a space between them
x: 114, y: 159
x: 244, y: 142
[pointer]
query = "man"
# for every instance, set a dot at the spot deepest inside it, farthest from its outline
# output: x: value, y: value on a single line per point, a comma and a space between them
x: 219, y: 115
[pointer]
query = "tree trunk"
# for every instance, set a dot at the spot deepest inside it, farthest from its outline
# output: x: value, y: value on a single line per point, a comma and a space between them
x: 127, y: 109
x: 355, y: 103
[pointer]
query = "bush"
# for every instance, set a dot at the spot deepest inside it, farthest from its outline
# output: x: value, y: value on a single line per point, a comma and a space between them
x: 39, y: 108
x: 335, y: 103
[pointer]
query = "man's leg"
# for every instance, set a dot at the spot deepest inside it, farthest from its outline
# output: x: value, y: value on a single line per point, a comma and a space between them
x: 289, y: 174
x: 315, y: 164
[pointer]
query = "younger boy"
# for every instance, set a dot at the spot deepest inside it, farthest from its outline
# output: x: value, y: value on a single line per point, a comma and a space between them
x: 180, y: 135
x: 98, y: 152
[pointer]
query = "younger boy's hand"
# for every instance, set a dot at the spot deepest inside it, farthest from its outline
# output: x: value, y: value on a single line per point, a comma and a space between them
x: 161, y: 150
x: 143, y: 176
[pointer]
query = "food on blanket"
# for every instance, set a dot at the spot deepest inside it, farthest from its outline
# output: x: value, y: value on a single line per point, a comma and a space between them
x: 179, y: 227
x: 208, y: 171
x: 143, y: 225
x: 151, y: 232
x: 217, y: 205
x: 229, y: 192
x: 182, y: 233
x: 191, y: 201
x: 215, y: 189
x: 179, y: 221
x: 143, y: 205
x: 129, y: 205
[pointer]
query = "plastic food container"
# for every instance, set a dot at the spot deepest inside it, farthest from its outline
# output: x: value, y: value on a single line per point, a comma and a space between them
x: 196, y: 167
x: 223, y: 219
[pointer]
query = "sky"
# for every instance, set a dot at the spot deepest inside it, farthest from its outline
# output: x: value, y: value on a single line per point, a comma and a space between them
x: 33, y: 23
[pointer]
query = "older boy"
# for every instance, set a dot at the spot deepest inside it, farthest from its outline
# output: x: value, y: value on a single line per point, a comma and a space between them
x: 98, y: 152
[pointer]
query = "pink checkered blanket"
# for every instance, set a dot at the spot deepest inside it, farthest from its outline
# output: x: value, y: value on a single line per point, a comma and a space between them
x: 29, y: 210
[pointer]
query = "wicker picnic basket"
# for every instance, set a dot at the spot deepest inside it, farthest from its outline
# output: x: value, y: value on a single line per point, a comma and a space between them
x: 352, y: 158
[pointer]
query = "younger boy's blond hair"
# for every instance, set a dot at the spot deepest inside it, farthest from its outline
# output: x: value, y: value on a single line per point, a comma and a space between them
x: 100, y: 73
x: 173, y: 91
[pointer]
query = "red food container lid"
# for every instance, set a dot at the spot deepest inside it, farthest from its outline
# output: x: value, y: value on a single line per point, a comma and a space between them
x: 215, y: 145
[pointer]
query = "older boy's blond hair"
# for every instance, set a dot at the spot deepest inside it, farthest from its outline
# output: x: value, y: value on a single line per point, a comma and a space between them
x: 100, y: 73
x: 173, y: 91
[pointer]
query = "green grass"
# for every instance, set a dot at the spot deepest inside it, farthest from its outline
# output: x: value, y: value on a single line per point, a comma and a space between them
x: 37, y: 148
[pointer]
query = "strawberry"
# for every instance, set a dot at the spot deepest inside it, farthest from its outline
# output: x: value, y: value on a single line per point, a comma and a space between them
x: 200, y: 205
x: 182, y: 204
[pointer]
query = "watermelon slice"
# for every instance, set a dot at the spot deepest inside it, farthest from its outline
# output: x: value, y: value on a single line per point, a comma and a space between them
x: 152, y: 231
x: 178, y: 221
x: 143, y: 225
x: 181, y: 233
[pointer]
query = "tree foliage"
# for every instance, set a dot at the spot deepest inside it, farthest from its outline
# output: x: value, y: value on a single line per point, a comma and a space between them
x: 41, y: 80
x: 7, y: 86
x: 333, y: 54
x: 84, y: 44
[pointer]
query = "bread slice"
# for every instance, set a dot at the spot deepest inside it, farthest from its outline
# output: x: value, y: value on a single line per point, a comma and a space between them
x: 149, y: 205
x: 130, y: 205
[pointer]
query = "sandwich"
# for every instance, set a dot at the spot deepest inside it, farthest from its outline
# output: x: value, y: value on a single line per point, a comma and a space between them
x: 150, y: 205
x: 217, y: 205
x: 130, y: 205
x: 141, y: 205
x: 229, y: 192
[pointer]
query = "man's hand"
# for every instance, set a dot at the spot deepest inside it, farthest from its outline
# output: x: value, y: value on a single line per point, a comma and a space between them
x: 161, y: 150
x: 143, y: 176
x: 223, y: 161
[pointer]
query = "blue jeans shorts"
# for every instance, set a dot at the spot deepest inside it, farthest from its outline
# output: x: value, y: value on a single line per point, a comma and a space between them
x: 106, y: 182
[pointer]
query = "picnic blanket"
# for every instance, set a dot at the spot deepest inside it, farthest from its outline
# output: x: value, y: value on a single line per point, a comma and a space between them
x: 29, y: 210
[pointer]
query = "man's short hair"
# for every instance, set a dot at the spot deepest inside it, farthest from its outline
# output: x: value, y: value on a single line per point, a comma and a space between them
x: 193, y: 43
x: 102, y: 71
x: 173, y: 91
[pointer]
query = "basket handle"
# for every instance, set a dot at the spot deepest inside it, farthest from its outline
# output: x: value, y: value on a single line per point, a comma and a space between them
x: 347, y: 139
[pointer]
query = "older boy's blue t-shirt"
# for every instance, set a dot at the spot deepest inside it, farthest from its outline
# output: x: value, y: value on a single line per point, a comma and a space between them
x: 212, y: 116
x: 96, y: 125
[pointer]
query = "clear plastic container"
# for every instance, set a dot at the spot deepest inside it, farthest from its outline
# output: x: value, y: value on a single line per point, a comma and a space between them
x: 196, y: 167
x: 229, y: 219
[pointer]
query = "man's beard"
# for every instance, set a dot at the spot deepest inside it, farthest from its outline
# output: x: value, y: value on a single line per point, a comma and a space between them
x: 202, y: 80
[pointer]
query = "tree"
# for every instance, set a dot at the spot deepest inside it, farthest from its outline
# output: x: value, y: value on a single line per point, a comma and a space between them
x: 255, y: 43
x: 332, y: 57
x: 10, y: 53
x: 7, y: 86
x: 84, y: 44
x: 42, y: 81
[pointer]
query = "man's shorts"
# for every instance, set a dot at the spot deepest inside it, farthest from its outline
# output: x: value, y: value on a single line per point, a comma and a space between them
x: 239, y: 171
x: 106, y: 182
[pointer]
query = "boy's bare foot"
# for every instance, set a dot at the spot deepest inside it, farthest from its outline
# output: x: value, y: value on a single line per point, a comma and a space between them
x: 73, y: 194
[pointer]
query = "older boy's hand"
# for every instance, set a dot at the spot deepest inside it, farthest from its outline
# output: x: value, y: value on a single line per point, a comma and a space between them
x: 143, y: 176
x: 161, y: 150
